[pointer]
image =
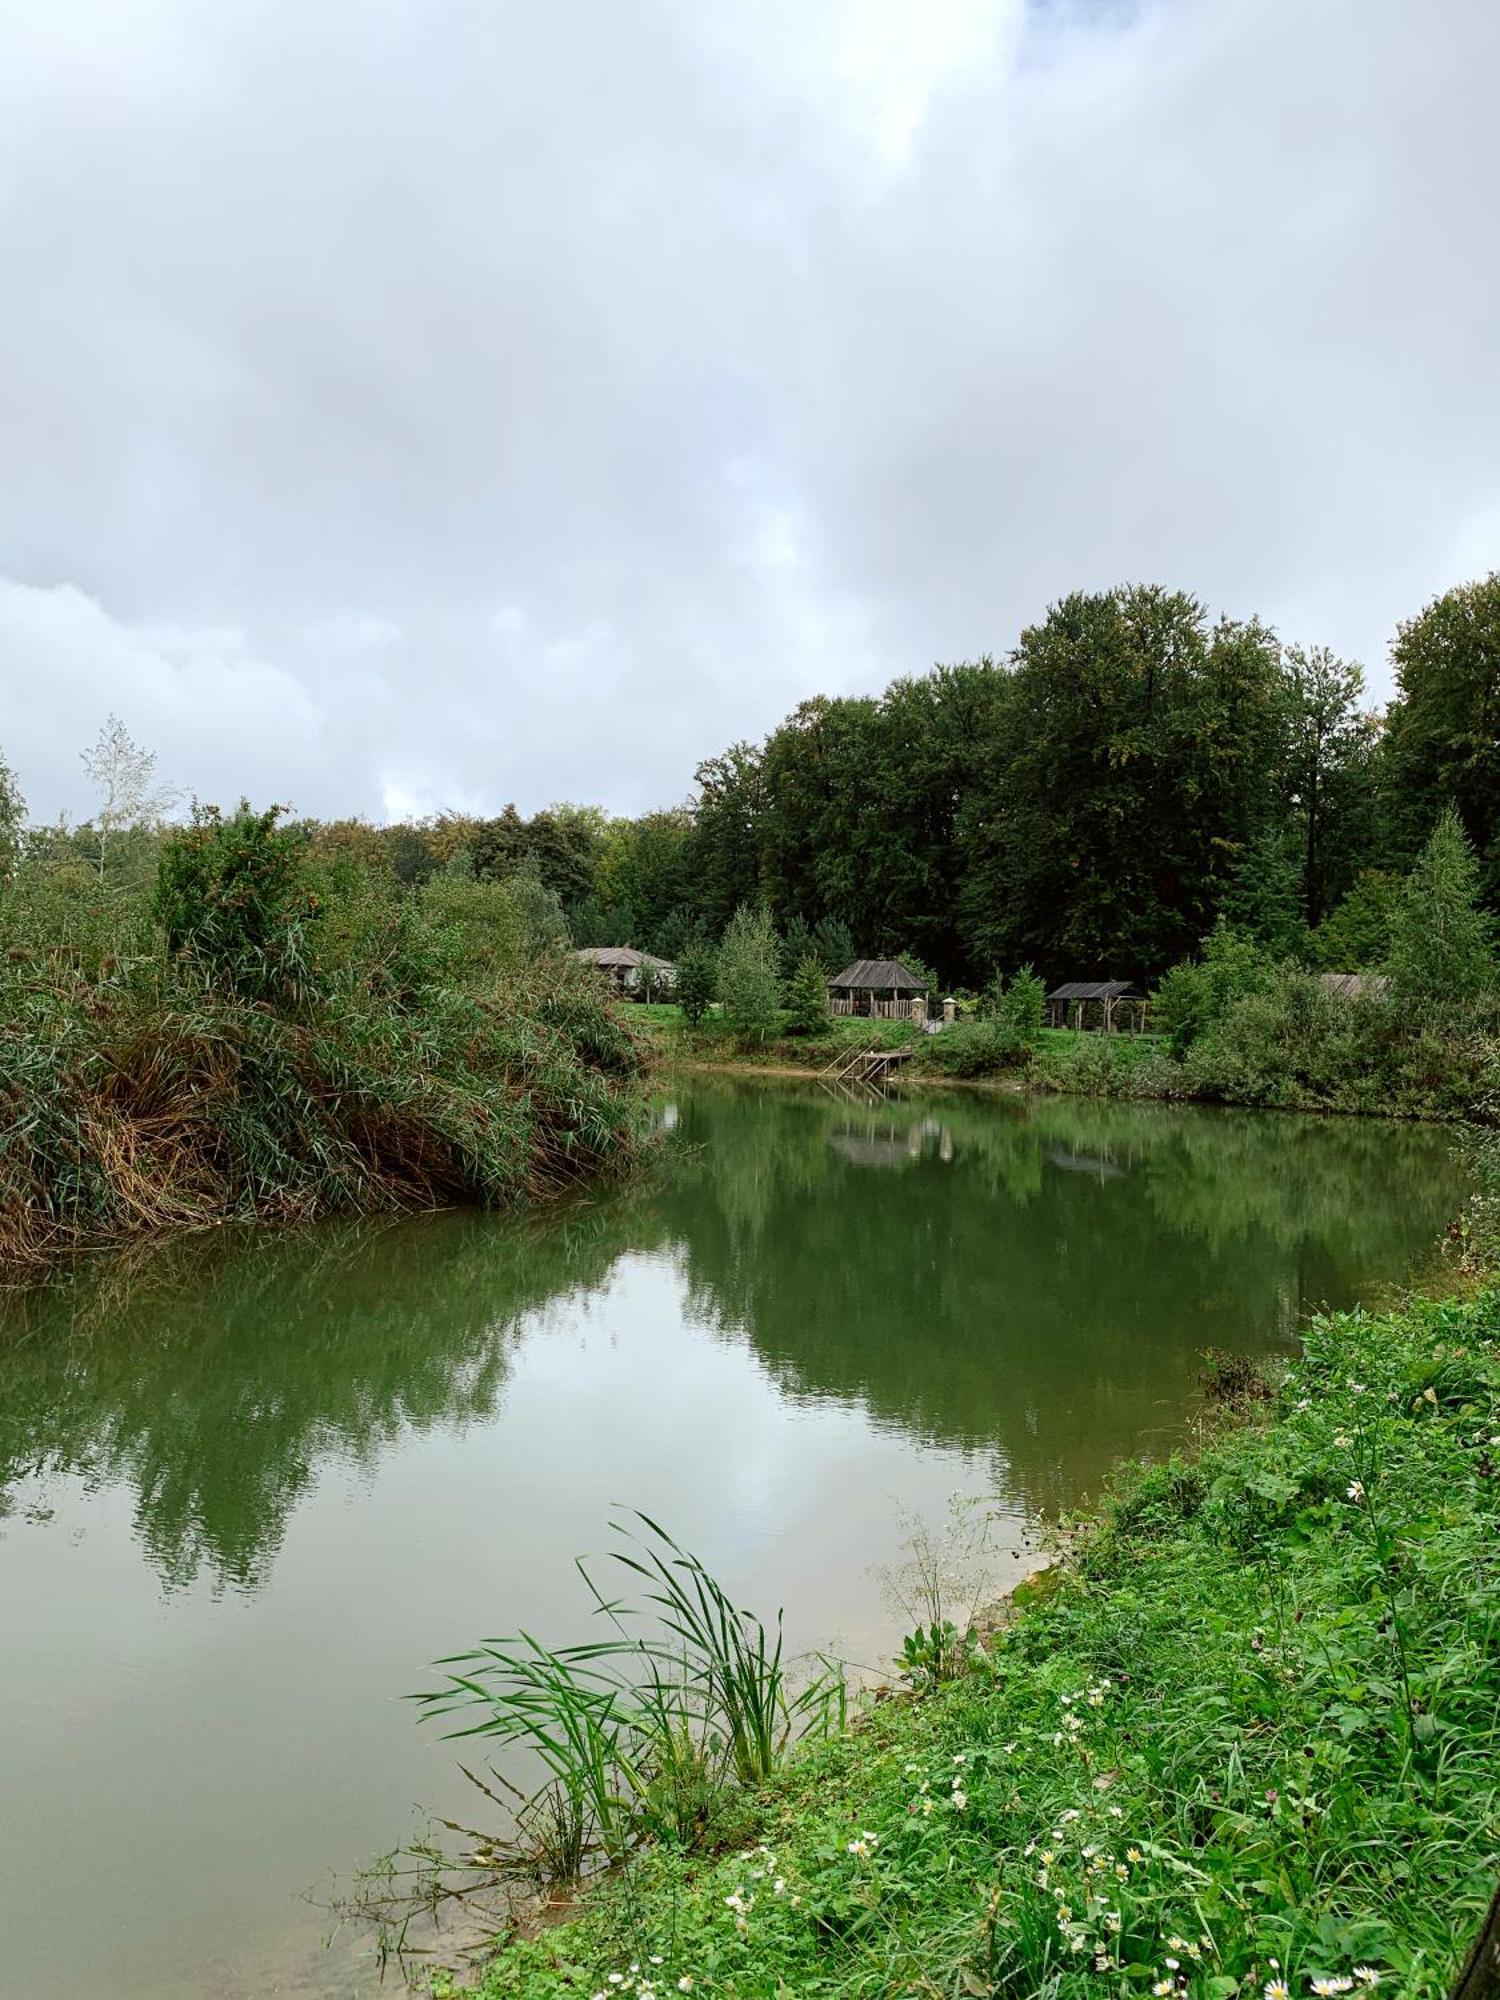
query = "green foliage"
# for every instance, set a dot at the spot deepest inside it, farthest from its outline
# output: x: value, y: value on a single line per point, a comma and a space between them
x: 233, y: 898
x: 243, y: 1047
x: 639, y: 1729
x: 1444, y: 729
x: 1196, y: 993
x: 1021, y: 1007
x: 807, y: 998
x: 1251, y: 1736
x: 12, y: 821
x: 1356, y: 936
x: 1442, y: 942
x: 1264, y: 898
x: 1134, y: 751
x: 748, y: 972
x: 697, y: 982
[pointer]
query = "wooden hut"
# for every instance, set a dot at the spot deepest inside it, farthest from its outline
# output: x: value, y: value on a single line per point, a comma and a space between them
x: 635, y: 975
x: 880, y: 988
x: 1100, y: 1005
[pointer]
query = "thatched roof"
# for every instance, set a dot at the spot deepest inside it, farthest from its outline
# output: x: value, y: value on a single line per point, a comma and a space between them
x: 622, y: 957
x: 878, y: 975
x: 1096, y: 989
x: 1354, y: 985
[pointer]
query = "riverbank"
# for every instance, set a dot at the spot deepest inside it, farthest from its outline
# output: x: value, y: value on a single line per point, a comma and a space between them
x: 1354, y: 1067
x: 1249, y: 1742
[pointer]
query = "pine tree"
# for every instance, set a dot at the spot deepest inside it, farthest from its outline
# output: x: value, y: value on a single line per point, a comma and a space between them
x: 807, y: 997
x: 1442, y: 942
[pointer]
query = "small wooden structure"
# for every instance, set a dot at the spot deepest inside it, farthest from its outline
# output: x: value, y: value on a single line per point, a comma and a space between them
x: 635, y: 975
x: 864, y: 1065
x: 878, y: 989
x: 1355, y: 985
x: 1103, y: 1006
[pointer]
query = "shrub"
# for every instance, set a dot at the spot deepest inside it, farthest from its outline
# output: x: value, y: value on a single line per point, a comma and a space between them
x: 1442, y: 941
x: 232, y: 896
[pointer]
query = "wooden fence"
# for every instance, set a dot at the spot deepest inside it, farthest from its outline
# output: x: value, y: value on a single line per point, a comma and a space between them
x: 876, y: 1010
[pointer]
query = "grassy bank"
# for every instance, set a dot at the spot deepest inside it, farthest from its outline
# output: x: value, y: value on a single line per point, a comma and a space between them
x: 1301, y: 1050
x: 256, y: 1040
x: 1250, y: 1742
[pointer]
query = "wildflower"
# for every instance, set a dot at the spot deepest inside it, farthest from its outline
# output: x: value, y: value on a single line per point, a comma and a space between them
x: 1161, y: 1987
x: 1356, y: 1489
x: 1008, y: 1748
x: 778, y: 1887
x: 1101, y: 1961
x: 1122, y: 1873
x: 657, y: 1959
x: 1176, y: 1944
x: 1064, y: 1916
x: 1343, y: 1440
x: 685, y: 1984
x: 1173, y: 1964
x: 1277, y: 1989
x: 1324, y: 1988
x: 1132, y: 1854
x: 1070, y: 1815
x: 1115, y: 1812
x: 1078, y: 1942
x: 1367, y: 1975
x: 960, y: 1799
x: 1048, y: 1857
x: 1112, y: 1920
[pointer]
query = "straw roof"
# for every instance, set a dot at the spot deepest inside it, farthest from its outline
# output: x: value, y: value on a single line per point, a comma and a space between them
x: 878, y: 975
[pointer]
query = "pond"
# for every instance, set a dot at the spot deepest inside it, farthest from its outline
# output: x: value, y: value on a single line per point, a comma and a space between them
x: 251, y: 1487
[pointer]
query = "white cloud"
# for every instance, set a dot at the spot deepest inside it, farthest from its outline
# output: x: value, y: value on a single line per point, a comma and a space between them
x: 461, y: 403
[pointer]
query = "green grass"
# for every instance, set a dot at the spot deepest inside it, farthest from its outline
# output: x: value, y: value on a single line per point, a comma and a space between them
x: 1253, y: 1735
x: 713, y: 1040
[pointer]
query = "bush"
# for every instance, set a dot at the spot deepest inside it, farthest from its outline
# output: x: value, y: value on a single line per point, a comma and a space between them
x: 232, y: 896
x: 291, y: 1054
x: 973, y: 1048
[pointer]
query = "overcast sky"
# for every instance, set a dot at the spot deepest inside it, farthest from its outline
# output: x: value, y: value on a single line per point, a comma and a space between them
x: 422, y: 403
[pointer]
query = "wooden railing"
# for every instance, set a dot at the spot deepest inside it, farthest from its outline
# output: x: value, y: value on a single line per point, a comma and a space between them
x: 876, y: 1010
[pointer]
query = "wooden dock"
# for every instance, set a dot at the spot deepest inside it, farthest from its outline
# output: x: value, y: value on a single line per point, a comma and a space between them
x: 865, y: 1065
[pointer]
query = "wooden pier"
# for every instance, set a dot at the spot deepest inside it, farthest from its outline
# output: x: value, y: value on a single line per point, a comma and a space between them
x: 865, y: 1065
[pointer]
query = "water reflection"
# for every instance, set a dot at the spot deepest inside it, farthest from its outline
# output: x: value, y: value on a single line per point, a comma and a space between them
x: 1032, y: 1279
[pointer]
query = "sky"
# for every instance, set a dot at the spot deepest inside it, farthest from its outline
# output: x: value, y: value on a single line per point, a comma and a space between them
x: 423, y: 404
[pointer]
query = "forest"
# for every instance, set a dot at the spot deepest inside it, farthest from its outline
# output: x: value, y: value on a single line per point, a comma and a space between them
x: 1089, y: 804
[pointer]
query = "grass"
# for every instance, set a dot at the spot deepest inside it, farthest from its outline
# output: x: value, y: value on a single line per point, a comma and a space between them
x: 1250, y: 1741
x: 338, y: 1048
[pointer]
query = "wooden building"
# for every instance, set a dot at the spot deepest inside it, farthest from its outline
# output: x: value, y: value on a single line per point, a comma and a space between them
x: 635, y: 975
x: 880, y: 988
x: 1102, y: 1006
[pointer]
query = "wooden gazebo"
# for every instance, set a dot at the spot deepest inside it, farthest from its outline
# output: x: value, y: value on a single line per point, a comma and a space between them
x: 1102, y: 1005
x: 878, y: 987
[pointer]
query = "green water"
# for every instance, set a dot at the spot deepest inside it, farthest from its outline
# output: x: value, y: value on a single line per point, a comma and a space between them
x: 250, y: 1488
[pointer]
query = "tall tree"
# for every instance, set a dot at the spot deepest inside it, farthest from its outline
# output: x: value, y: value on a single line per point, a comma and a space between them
x: 1442, y: 942
x: 1133, y: 761
x: 124, y: 775
x: 749, y: 971
x: 1444, y: 729
x: 1329, y: 769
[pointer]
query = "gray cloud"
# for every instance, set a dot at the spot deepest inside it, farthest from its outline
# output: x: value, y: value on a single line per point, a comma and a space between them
x: 406, y: 405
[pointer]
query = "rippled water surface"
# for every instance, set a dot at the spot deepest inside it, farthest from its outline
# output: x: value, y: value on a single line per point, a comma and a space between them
x: 249, y: 1489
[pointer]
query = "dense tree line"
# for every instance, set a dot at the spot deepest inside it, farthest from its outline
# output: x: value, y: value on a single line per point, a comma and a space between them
x: 1091, y: 804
